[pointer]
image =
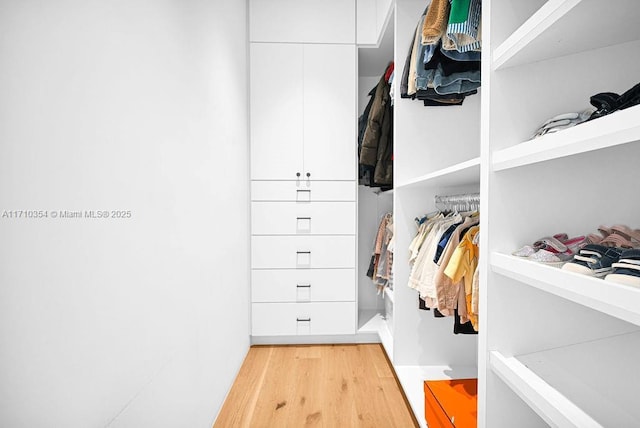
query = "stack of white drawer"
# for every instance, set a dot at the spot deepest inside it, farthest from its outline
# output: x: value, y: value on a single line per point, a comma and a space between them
x: 303, y: 257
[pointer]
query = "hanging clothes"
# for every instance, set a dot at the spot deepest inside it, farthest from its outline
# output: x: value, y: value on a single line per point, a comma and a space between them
x: 381, y: 269
x: 444, y: 257
x: 443, y: 64
x: 376, y: 148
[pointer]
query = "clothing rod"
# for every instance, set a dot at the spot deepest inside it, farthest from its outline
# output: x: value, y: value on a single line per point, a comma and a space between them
x: 467, y: 197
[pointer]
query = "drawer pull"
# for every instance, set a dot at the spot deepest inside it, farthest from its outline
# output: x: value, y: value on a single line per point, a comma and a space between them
x: 303, y: 224
x: 303, y: 258
x: 303, y: 285
x: 303, y: 319
x: 303, y: 195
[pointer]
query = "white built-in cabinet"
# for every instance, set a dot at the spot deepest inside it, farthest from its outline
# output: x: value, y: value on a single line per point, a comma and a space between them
x: 302, y: 111
x: 303, y: 169
x: 302, y: 21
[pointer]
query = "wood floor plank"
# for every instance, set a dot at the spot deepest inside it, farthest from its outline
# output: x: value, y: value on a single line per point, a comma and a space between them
x: 316, y: 386
x: 245, y: 390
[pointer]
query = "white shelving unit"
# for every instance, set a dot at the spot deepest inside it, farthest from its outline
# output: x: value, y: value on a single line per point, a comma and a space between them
x: 414, y: 389
x: 616, y: 300
x: 560, y: 385
x: 430, y: 160
x: 564, y: 27
x: 552, y: 406
x: 460, y: 174
x: 615, y: 129
x: 375, y: 43
x: 556, y: 348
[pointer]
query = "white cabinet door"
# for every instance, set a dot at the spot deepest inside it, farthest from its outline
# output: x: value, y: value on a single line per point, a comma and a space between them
x: 303, y: 191
x: 330, y: 112
x: 303, y: 285
x: 302, y: 21
x: 303, y: 252
x: 294, y: 218
x: 290, y: 319
x: 276, y: 111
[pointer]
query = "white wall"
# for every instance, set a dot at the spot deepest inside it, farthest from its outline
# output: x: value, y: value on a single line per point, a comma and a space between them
x: 134, y: 105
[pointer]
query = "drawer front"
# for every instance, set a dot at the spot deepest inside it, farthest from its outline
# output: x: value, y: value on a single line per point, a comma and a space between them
x: 303, y: 191
x: 291, y: 319
x: 303, y: 252
x: 292, y: 218
x: 303, y: 285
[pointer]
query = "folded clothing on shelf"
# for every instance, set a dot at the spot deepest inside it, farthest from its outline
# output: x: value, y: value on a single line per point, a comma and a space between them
x: 608, y: 102
x: 604, y: 102
x: 562, y: 121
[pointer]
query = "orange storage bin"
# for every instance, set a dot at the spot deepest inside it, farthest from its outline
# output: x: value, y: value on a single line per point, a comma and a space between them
x: 451, y: 403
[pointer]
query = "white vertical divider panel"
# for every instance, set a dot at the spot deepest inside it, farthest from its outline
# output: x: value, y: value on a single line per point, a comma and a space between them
x: 485, y: 226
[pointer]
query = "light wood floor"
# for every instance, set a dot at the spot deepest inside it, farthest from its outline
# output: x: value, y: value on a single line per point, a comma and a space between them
x: 316, y: 386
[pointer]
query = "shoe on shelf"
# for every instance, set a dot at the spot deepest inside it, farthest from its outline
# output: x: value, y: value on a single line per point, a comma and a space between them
x: 554, y: 254
x: 594, y: 260
x: 633, y: 236
x: 547, y: 242
x: 594, y: 238
x: 626, y: 270
x: 616, y: 240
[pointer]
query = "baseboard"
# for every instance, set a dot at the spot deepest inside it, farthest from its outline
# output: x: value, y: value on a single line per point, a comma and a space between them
x: 368, y: 337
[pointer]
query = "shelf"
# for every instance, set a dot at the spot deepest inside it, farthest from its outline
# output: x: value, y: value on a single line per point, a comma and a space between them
x: 613, y: 299
x: 547, y: 402
x: 372, y: 321
x: 570, y: 386
x: 412, y: 380
x: 369, y: 321
x: 615, y: 129
x: 467, y: 172
x: 564, y: 27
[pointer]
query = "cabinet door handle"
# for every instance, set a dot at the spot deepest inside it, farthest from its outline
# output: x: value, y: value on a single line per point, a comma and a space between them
x: 297, y: 174
x: 303, y: 319
x: 303, y: 252
x: 308, y: 174
x: 303, y: 218
x: 303, y: 285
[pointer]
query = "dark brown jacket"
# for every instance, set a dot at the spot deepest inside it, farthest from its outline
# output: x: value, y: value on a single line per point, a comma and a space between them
x: 377, y: 144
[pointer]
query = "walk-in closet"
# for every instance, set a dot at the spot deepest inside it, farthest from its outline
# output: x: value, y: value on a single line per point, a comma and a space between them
x: 429, y: 203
